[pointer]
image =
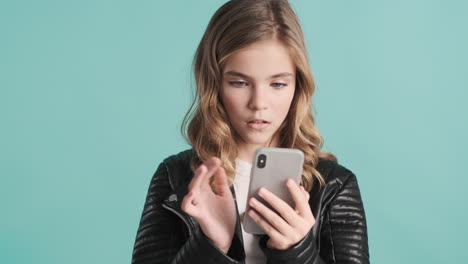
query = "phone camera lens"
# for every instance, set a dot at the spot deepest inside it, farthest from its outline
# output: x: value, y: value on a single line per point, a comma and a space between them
x: 261, y: 161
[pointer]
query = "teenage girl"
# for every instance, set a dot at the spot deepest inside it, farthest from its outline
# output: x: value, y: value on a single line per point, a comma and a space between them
x: 254, y: 89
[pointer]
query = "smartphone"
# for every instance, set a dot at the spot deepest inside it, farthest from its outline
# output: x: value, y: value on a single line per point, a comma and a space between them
x: 271, y: 168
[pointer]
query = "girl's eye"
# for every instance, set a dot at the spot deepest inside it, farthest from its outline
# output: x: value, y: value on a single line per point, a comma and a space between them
x: 278, y: 85
x: 242, y: 84
x: 238, y: 84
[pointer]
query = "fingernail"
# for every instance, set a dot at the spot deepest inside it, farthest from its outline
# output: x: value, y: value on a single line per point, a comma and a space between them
x: 289, y: 182
x: 261, y: 192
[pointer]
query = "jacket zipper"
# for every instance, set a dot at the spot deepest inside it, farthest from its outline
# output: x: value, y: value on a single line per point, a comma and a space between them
x: 181, y: 217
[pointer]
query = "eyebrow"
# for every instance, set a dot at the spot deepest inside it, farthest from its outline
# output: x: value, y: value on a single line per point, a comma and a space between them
x: 234, y: 73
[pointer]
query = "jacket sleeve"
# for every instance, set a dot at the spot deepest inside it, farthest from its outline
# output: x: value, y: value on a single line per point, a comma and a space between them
x: 343, y: 233
x: 160, y: 239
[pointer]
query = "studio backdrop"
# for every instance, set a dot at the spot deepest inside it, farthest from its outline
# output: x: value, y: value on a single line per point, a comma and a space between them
x: 92, y: 95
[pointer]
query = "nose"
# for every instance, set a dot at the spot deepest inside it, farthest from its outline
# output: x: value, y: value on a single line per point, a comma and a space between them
x: 258, y: 99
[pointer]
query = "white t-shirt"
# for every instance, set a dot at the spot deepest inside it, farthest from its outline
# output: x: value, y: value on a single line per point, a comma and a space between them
x: 254, y: 255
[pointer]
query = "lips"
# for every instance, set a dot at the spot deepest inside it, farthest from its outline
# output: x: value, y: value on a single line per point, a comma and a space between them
x: 258, y: 124
x: 258, y: 121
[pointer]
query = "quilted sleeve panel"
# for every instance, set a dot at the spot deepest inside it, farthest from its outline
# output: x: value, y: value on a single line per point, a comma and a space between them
x: 345, y: 230
x: 158, y: 227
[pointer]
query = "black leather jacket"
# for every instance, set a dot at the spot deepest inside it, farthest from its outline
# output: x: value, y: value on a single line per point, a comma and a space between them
x: 168, y: 235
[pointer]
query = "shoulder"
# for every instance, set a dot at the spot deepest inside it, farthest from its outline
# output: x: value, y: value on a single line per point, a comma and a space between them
x: 180, y: 159
x: 340, y: 186
x: 178, y: 169
x: 334, y: 173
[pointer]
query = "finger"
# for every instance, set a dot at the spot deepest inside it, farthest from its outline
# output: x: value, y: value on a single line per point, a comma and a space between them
x: 189, y: 203
x: 271, y: 217
x: 212, y: 165
x: 221, y: 181
x: 212, y: 162
x: 302, y: 204
x: 307, y: 198
x: 265, y: 225
x: 306, y: 193
x: 286, y: 211
x: 197, y: 178
x: 203, y: 174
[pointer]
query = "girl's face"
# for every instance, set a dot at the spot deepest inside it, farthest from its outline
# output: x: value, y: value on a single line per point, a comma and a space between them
x: 258, y: 87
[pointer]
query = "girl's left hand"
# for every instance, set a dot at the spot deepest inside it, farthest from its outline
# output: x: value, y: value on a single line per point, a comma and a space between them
x: 293, y: 224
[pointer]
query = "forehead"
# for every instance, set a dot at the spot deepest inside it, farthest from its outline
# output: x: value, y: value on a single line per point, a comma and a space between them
x: 261, y: 60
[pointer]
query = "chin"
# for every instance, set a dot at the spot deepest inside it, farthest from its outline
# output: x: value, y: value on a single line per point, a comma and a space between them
x: 257, y: 140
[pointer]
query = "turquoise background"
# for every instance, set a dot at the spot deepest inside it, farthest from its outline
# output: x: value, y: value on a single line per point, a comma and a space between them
x: 93, y: 93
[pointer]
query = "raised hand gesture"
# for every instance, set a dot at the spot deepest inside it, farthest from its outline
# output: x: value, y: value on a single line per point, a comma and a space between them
x: 214, y: 210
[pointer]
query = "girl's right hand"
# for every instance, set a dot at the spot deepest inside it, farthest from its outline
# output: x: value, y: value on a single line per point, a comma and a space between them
x: 215, y: 211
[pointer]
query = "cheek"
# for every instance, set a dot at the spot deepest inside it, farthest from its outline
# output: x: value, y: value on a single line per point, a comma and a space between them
x: 236, y: 98
x: 231, y: 104
x: 283, y: 102
x: 227, y: 102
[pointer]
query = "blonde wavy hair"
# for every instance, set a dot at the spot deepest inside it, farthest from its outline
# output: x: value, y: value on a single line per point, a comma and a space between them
x: 206, y: 127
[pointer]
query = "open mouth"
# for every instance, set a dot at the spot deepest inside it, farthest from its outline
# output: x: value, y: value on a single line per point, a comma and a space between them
x: 258, y: 124
x: 258, y: 121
